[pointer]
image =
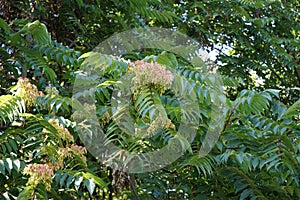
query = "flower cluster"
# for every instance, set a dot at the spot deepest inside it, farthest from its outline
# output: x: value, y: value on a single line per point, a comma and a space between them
x: 51, y: 90
x: 78, y: 150
x: 157, y: 124
x: 26, y: 91
x: 43, y: 173
x: 53, y: 166
x: 104, y: 119
x: 63, y: 132
x: 39, y: 173
x: 80, y: 115
x: 70, y: 152
x: 151, y: 74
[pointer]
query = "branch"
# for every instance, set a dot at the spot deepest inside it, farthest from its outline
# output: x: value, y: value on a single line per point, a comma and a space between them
x: 131, y: 181
x: 228, y: 120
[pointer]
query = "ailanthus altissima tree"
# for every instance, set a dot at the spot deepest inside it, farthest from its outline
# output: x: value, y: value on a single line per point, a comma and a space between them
x: 42, y: 156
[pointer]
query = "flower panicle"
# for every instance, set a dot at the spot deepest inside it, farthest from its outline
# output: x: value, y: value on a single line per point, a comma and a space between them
x: 62, y: 131
x: 151, y: 73
x: 27, y: 91
x: 39, y: 174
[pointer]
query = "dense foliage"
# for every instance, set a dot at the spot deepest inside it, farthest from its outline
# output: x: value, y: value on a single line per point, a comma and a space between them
x: 45, y: 44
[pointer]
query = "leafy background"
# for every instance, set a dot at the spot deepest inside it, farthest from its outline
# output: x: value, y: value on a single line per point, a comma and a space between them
x: 257, y: 155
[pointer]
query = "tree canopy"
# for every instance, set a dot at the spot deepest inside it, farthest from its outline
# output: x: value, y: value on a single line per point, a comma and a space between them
x: 58, y: 90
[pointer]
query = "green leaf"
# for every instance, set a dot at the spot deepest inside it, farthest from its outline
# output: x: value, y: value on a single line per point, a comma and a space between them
x: 8, y: 147
x: 63, y: 178
x: 2, y: 167
x: 26, y: 193
x: 255, y: 162
x: 69, y: 181
x: 292, y: 110
x: 97, y: 179
x: 240, y: 157
x: 5, y: 26
x: 107, y: 83
x: 274, y: 92
x: 183, y: 142
x: 3, y: 148
x: 38, y: 31
x: 8, y: 164
x: 245, y: 194
x: 16, y: 165
x: 168, y: 59
x: 11, y: 107
x: 50, y: 74
x: 90, y: 185
x: 13, y: 144
x: 77, y: 182
x: 240, y: 186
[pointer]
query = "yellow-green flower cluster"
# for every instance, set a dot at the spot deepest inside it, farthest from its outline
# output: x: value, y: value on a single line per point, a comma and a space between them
x: 151, y: 74
x: 39, y: 173
x: 157, y: 124
x: 26, y: 91
x: 51, y: 90
x: 62, y: 131
x: 80, y: 115
x: 78, y: 150
x: 104, y: 119
x: 70, y: 152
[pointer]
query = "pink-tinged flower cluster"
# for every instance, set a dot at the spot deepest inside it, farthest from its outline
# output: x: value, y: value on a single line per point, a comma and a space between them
x: 54, y: 166
x: 63, y: 132
x: 151, y: 74
x: 26, y: 91
x: 39, y: 173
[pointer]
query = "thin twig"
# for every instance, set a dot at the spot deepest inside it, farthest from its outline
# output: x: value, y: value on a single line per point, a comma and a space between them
x: 131, y: 180
x: 228, y: 120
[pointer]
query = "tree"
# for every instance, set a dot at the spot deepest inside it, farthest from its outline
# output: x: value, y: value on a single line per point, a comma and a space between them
x: 257, y: 153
